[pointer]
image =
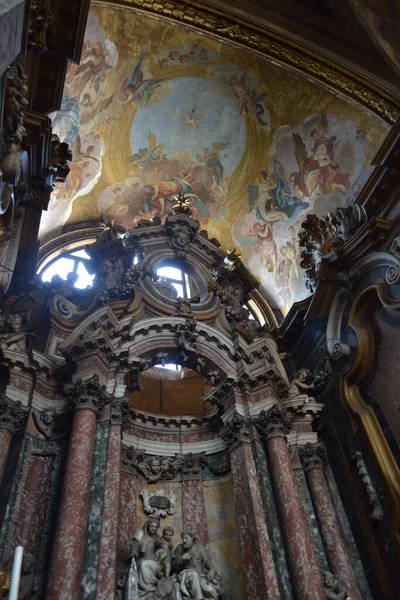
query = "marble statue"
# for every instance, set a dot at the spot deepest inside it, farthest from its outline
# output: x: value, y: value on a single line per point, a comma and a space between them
x: 299, y: 386
x: 151, y: 558
x: 15, y: 340
x: 196, y: 580
x: 333, y: 590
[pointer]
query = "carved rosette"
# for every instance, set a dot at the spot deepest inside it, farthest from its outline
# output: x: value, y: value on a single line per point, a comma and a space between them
x: 238, y: 429
x: 12, y: 414
x: 273, y: 422
x: 120, y: 410
x: 89, y: 394
x: 313, y: 456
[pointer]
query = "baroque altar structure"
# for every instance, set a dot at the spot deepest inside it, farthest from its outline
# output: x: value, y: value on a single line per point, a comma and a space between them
x: 180, y: 420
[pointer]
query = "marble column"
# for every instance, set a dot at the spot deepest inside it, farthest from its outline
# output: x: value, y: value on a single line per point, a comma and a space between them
x: 86, y: 398
x: 12, y: 416
x: 193, y: 505
x: 313, y: 457
x: 109, y: 532
x: 274, y: 426
x: 256, y: 553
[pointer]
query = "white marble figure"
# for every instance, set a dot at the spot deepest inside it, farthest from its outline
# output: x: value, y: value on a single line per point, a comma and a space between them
x: 196, y: 580
x: 16, y: 339
x: 298, y: 386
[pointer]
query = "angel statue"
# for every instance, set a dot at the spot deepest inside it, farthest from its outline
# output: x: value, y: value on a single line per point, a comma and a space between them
x: 299, y: 386
x: 318, y: 173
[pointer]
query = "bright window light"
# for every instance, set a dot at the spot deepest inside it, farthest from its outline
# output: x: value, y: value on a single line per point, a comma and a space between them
x: 81, y: 254
x: 61, y: 267
x: 170, y: 367
x: 170, y: 273
x: 85, y: 279
x: 72, y: 266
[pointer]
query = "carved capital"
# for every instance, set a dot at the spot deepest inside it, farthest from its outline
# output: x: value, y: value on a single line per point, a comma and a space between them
x: 272, y: 422
x: 120, y: 409
x: 89, y: 394
x: 12, y: 414
x: 238, y: 429
x: 191, y: 465
x: 313, y: 456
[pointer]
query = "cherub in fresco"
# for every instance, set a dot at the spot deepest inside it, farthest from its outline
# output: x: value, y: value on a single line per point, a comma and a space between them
x: 249, y: 100
x: 289, y: 260
x: 319, y: 173
x: 288, y: 195
x: 141, y: 89
x: 265, y: 245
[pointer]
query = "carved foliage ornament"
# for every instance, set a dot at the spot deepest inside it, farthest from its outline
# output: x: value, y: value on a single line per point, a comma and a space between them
x: 313, y: 456
x: 89, y: 394
x: 321, y: 235
x: 120, y: 409
x: 40, y: 19
x: 12, y: 414
x: 235, y: 430
x: 371, y: 493
x: 272, y: 422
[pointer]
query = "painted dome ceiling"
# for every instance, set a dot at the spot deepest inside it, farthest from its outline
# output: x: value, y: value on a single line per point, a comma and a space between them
x: 155, y: 109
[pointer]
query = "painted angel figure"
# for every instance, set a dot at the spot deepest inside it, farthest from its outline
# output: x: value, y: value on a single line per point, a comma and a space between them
x: 262, y: 197
x: 154, y: 151
x: 140, y: 89
x: 213, y: 160
x: 319, y: 173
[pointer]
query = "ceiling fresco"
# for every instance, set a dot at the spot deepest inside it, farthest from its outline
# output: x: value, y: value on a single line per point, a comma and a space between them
x: 154, y: 109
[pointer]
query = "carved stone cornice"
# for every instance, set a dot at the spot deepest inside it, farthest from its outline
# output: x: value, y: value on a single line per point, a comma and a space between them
x: 120, y: 410
x: 281, y: 51
x: 89, y: 394
x: 272, y: 422
x: 238, y: 429
x: 12, y: 414
x: 313, y: 456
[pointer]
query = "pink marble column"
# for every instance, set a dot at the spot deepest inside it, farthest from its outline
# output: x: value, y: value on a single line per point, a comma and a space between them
x: 256, y: 554
x: 127, y: 525
x: 109, y: 532
x: 87, y: 398
x: 314, y: 460
x: 193, y: 506
x: 12, y: 415
x: 304, y: 568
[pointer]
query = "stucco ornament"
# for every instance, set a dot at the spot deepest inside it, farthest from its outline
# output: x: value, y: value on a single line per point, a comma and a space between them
x: 158, y: 502
x: 300, y: 385
x: 333, y: 589
x: 320, y: 236
x: 180, y: 238
x: 16, y: 339
x: 369, y: 488
x: 45, y: 421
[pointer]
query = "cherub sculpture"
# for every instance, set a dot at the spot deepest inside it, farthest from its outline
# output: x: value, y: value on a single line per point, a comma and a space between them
x: 15, y: 340
x: 332, y: 588
x: 299, y: 386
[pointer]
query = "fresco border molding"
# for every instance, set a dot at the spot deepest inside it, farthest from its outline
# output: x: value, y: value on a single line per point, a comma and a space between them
x: 339, y: 80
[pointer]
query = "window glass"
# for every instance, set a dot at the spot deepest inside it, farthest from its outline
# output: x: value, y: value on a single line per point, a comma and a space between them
x: 72, y: 266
